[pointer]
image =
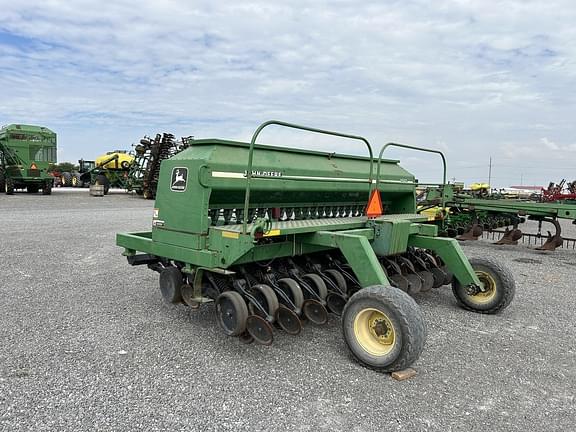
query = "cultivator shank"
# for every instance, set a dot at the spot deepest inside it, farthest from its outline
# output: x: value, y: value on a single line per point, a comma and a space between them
x: 472, y: 218
x: 148, y: 155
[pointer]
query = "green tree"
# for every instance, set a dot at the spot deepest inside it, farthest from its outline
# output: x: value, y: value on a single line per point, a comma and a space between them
x: 65, y: 167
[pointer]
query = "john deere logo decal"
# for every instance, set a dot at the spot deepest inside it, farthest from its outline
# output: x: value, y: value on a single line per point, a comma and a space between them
x: 179, y: 179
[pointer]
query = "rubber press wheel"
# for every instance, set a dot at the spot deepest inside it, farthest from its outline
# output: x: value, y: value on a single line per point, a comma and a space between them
x: 338, y: 279
x: 232, y: 313
x: 266, y: 297
x: 384, y: 328
x: 293, y: 291
x: 317, y: 284
x: 498, y: 283
x: 439, y: 277
x: 427, y: 280
x: 171, y: 280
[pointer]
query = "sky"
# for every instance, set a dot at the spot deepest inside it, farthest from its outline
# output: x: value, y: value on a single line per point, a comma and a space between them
x: 477, y: 79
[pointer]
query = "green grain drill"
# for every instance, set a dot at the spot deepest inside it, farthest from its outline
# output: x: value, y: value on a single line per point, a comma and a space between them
x: 279, y: 236
x: 25, y: 155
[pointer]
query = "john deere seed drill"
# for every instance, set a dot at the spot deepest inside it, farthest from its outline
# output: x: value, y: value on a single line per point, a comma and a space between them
x: 275, y: 236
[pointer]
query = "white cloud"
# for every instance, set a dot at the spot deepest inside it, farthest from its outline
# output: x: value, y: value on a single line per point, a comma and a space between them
x: 549, y: 144
x: 483, y: 78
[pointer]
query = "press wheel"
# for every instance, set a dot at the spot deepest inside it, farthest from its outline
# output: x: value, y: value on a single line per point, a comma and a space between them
x: 338, y: 278
x: 171, y: 280
x: 427, y: 280
x: 335, y: 303
x: 439, y: 277
x: 267, y: 299
x: 399, y: 282
x: 293, y: 291
x: 317, y: 284
x: 232, y: 313
x: 415, y: 283
x: 449, y: 275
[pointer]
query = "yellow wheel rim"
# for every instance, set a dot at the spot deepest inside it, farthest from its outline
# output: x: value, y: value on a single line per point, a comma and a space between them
x: 374, y: 332
x: 489, y: 285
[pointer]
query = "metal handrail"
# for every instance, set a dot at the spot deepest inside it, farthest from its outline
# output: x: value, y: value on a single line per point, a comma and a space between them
x: 294, y: 126
x: 423, y: 149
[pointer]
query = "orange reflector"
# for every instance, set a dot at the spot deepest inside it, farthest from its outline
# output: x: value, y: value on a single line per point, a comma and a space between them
x: 33, y: 166
x: 374, y: 208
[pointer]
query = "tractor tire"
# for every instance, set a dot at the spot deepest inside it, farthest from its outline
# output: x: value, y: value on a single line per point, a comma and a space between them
x: 75, y: 181
x: 499, y: 283
x: 47, y: 189
x: 9, y: 186
x: 33, y: 188
x: 384, y: 328
x: 171, y: 280
x: 2, y: 181
x: 66, y: 179
x: 101, y: 179
x: 147, y: 194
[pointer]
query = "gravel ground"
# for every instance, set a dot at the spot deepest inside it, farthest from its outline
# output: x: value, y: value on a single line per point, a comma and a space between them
x: 88, y: 344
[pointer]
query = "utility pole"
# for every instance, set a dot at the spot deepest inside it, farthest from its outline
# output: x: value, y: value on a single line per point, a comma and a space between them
x: 490, y: 173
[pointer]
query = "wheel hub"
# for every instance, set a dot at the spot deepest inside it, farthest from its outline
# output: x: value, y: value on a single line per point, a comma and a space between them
x: 472, y: 290
x: 374, y: 331
x: 486, y: 291
x: 379, y: 328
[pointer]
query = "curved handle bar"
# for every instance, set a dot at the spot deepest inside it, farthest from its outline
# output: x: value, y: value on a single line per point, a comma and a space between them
x: 294, y: 126
x: 385, y: 146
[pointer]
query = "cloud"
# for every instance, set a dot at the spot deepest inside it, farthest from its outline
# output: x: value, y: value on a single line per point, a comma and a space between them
x: 549, y: 144
x: 482, y: 80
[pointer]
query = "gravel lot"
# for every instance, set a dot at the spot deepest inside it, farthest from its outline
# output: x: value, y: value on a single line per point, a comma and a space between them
x: 87, y: 343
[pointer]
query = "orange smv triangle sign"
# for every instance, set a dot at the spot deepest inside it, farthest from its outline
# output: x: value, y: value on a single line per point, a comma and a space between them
x: 33, y: 166
x: 374, y: 208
